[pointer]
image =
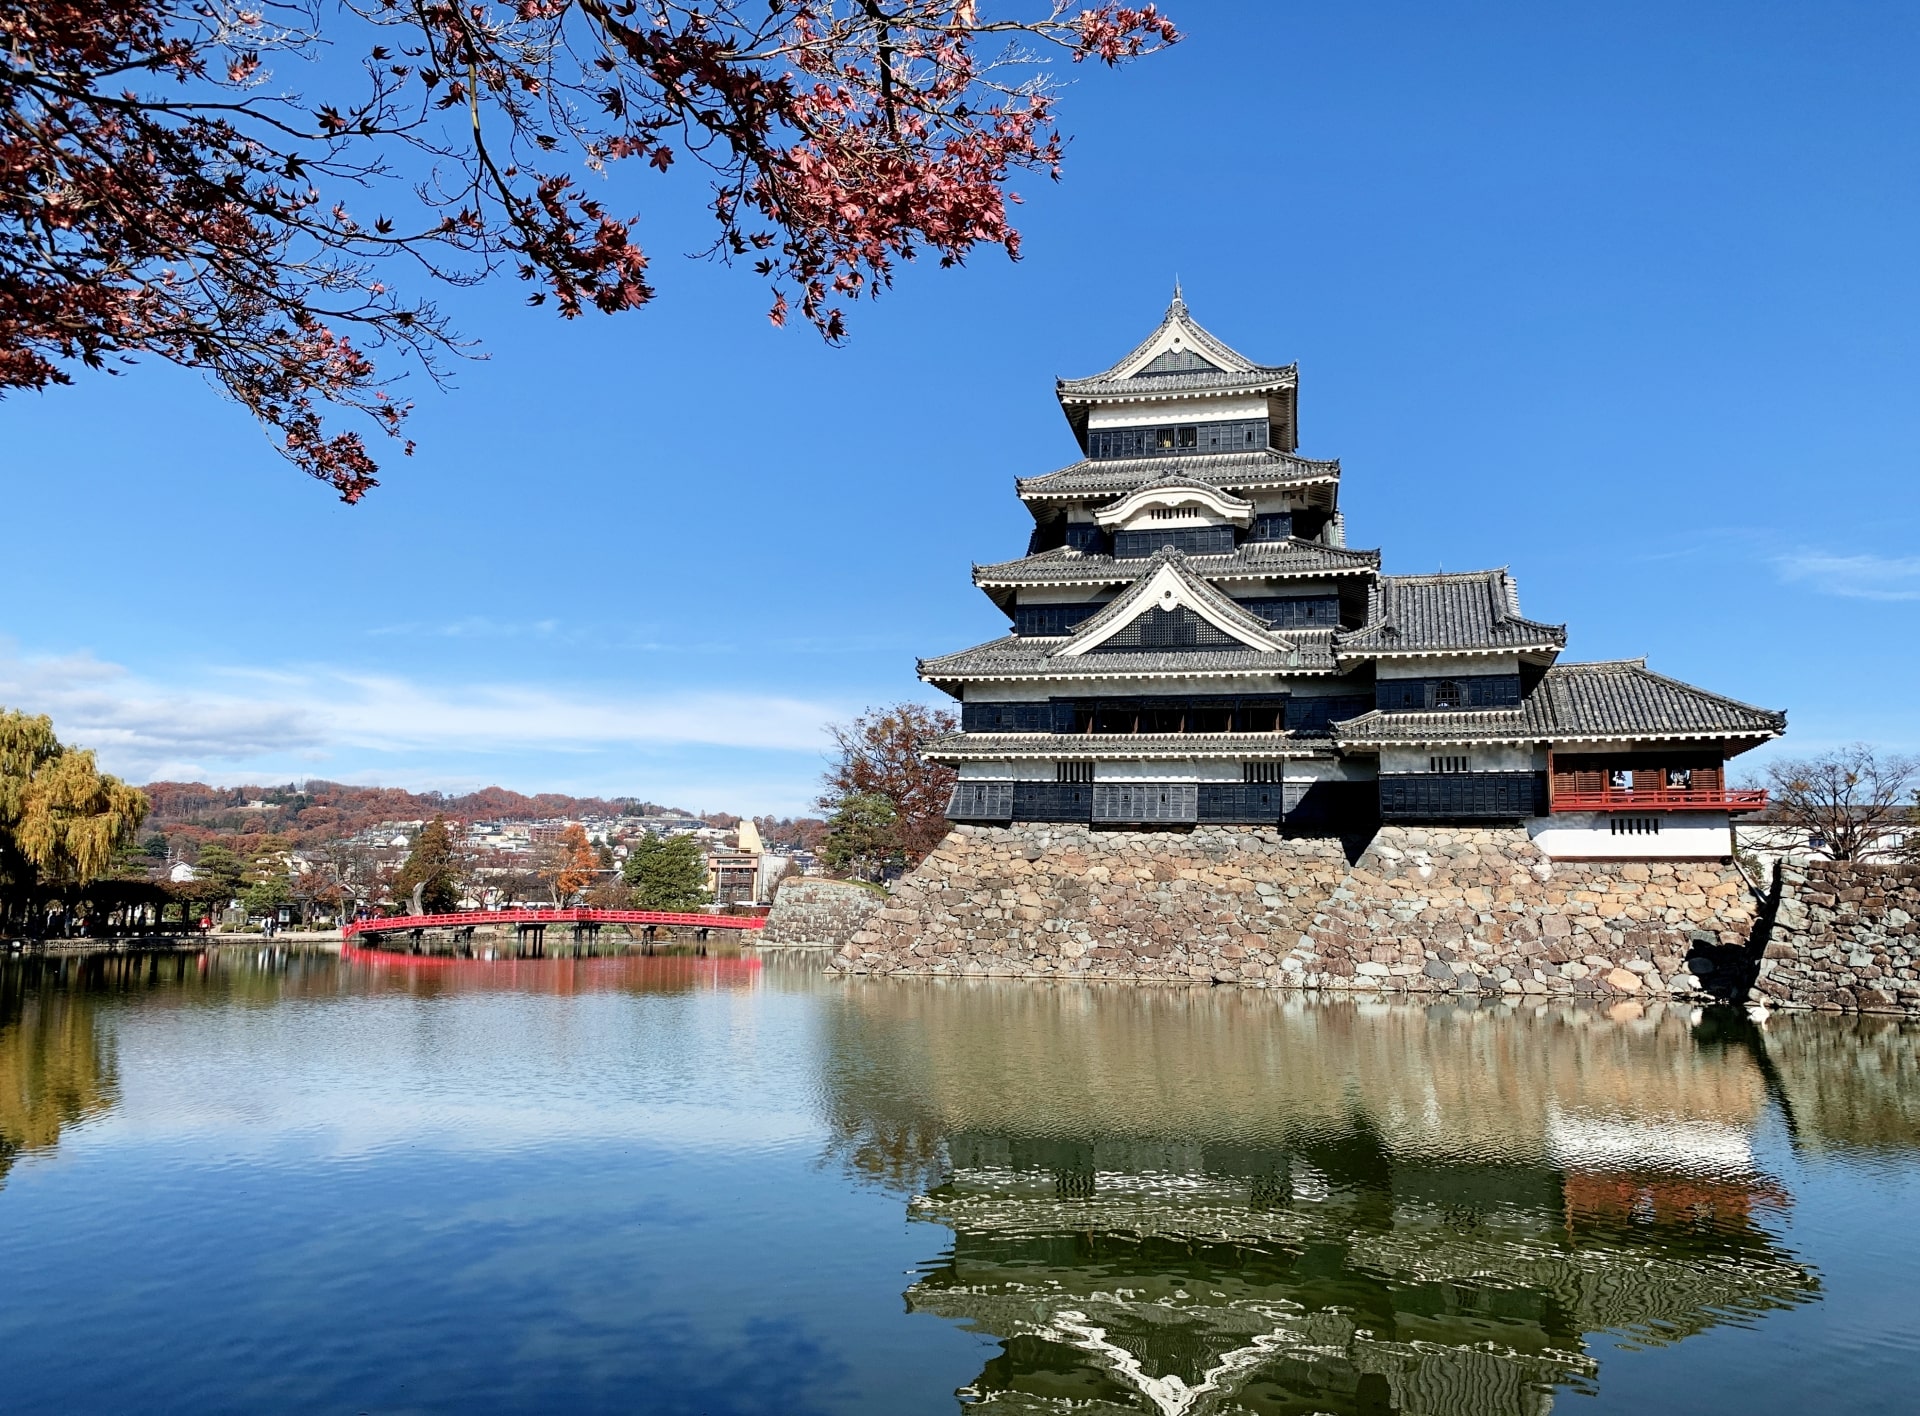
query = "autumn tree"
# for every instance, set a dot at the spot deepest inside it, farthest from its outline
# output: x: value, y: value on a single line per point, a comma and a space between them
x: 667, y: 873
x: 61, y: 818
x: 881, y: 753
x: 168, y: 189
x: 1854, y: 800
x: 568, y: 864
x: 429, y: 881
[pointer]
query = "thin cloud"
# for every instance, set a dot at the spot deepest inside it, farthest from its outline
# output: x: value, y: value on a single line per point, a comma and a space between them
x: 147, y: 731
x: 1854, y: 577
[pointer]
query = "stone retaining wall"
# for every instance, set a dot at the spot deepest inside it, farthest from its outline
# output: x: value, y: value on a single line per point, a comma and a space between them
x: 819, y: 912
x: 1844, y: 937
x: 1420, y: 911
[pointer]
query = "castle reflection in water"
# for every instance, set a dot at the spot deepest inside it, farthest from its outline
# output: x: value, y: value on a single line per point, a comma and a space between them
x: 1207, y: 1201
x: 1183, y: 1202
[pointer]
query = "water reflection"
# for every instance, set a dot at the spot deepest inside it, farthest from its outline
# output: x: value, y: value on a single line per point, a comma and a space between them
x: 55, y: 1068
x: 1156, y: 1201
x: 1202, y: 1201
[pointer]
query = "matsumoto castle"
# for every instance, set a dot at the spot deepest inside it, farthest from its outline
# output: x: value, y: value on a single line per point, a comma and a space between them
x: 1193, y: 641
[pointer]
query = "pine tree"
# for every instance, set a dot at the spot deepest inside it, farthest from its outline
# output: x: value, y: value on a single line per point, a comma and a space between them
x: 432, y: 867
x: 667, y: 873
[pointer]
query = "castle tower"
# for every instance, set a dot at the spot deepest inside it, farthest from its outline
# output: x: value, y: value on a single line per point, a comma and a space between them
x: 1192, y: 640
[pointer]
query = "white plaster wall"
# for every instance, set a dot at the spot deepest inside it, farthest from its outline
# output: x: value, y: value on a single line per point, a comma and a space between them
x: 1174, y: 771
x: 1157, y: 686
x: 1145, y: 520
x: 1586, y: 835
x: 1007, y: 693
x: 1320, y: 769
x: 1260, y: 589
x: 1456, y: 665
x: 985, y: 771
x: 1060, y: 595
x: 1177, y: 410
x: 1481, y: 757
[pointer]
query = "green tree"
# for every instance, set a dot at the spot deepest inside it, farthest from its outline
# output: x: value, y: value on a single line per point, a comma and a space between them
x: 863, y: 837
x: 266, y: 895
x: 667, y: 873
x: 433, y: 868
x: 61, y: 818
x: 219, y: 875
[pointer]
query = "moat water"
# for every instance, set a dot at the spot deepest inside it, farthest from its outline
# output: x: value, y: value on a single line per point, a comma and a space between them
x: 288, y: 1182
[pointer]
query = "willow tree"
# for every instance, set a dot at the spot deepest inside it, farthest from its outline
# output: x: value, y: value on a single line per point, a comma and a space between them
x: 61, y: 818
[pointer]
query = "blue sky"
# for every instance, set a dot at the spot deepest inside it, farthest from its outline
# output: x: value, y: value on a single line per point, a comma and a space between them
x: 1623, y: 298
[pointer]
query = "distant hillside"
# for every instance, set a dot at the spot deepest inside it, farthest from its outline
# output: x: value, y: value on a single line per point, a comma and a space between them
x: 323, y: 811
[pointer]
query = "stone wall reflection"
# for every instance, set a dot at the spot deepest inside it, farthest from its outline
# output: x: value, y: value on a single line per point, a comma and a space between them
x: 1207, y: 1201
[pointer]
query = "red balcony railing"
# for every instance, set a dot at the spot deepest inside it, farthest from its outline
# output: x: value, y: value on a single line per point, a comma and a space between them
x: 1661, y: 799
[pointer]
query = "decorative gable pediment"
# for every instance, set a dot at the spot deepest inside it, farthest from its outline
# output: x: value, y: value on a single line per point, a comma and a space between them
x: 1172, y: 494
x: 1180, y: 346
x: 1174, y: 595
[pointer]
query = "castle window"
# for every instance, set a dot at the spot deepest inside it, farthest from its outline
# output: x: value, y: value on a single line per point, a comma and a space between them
x: 1620, y: 779
x: 1680, y: 778
x: 1189, y: 437
x: 1446, y: 694
x: 1264, y: 772
x: 1073, y: 771
x: 1636, y: 825
x: 1163, y: 439
x: 1446, y: 764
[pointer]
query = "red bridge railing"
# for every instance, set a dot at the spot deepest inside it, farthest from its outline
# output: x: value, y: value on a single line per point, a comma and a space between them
x: 1661, y: 799
x: 472, y: 918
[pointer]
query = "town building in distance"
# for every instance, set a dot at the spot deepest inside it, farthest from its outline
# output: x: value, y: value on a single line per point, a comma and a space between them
x: 1194, y: 641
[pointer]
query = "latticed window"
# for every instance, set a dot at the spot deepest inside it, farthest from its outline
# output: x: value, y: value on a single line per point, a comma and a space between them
x: 1446, y: 694
x: 1178, y: 628
x: 1073, y: 771
x: 1264, y: 771
x: 1180, y: 439
x: 1446, y: 764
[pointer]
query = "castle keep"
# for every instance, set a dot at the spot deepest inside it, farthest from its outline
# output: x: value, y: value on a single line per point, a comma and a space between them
x: 1193, y: 642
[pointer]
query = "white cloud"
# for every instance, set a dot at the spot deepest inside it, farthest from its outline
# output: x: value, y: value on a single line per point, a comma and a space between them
x: 1856, y: 577
x: 239, y: 716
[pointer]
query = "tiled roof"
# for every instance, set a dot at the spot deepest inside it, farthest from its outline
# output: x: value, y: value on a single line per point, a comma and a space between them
x: 1258, y: 379
x: 1472, y: 725
x: 1416, y: 614
x: 1618, y: 698
x: 955, y: 746
x: 1622, y: 697
x: 1013, y: 657
x: 1230, y: 370
x: 1229, y: 471
x: 1256, y: 560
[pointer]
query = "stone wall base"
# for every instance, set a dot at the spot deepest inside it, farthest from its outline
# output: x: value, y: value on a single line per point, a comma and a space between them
x: 812, y: 911
x: 1846, y: 938
x: 1422, y: 910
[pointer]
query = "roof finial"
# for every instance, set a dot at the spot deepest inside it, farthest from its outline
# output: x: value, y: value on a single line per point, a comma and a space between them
x: 1178, y: 302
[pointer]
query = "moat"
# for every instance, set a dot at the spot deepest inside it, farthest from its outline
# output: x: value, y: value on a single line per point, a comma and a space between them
x: 271, y: 1180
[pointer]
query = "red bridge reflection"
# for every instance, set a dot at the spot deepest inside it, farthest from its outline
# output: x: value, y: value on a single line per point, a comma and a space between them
x: 536, y: 919
x: 625, y: 973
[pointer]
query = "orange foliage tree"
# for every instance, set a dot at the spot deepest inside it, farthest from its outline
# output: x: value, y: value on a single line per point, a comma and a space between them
x: 570, y: 864
x: 881, y: 756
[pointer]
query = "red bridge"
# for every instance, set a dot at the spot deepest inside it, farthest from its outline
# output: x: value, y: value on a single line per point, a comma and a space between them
x: 539, y: 919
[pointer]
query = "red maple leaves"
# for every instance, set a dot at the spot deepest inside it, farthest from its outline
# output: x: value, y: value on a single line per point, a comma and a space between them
x: 160, y: 195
